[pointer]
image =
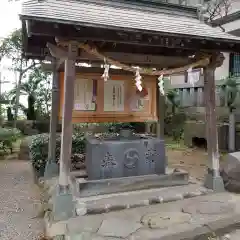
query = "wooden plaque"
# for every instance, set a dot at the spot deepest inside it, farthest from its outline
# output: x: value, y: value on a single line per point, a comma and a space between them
x: 115, y: 100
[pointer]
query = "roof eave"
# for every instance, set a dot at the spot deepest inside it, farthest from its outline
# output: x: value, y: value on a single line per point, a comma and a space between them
x: 67, y: 22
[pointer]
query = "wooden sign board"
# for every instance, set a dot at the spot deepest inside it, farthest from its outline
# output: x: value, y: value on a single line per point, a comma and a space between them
x: 115, y: 100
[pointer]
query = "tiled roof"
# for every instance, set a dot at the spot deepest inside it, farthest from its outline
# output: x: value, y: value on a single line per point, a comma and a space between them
x: 235, y: 7
x: 123, y: 16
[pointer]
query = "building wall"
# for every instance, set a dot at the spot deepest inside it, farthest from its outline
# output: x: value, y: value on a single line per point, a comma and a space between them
x: 231, y: 26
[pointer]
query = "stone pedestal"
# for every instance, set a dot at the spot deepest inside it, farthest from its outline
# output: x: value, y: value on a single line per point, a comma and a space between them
x: 63, y: 204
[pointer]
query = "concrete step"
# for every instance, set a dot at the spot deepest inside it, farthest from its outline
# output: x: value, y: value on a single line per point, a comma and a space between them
x: 88, y: 188
x: 126, y: 200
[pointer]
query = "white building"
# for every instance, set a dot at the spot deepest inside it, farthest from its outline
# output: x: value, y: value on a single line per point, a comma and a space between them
x: 230, y: 24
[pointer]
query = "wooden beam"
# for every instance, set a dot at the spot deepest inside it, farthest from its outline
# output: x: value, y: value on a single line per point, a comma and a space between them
x: 141, y: 38
x: 57, y: 52
x: 157, y: 61
x: 199, y: 62
x: 37, y: 45
x: 141, y: 59
x: 213, y: 179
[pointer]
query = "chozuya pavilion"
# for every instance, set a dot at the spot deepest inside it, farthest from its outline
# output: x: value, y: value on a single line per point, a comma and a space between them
x: 146, y: 41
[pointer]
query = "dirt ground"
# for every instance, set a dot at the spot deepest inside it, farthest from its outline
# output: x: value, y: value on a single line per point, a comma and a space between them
x: 192, y: 160
x: 19, y: 202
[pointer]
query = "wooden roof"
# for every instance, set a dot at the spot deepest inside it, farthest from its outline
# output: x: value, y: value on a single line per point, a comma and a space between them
x: 121, y: 26
x: 109, y: 14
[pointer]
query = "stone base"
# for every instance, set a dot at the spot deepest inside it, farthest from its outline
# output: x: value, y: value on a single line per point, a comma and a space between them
x: 63, y: 205
x: 115, y: 185
x: 214, y: 183
x: 51, y: 170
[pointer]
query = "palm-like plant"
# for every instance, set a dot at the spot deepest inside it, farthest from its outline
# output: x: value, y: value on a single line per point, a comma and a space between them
x: 230, y: 88
x: 172, y: 98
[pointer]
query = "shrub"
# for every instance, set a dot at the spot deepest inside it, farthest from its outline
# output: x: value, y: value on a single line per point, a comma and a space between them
x: 7, y: 137
x: 174, y: 125
x: 38, y: 148
x: 41, y: 126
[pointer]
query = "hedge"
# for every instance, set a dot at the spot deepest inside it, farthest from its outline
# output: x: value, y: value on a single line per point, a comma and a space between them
x: 38, y: 148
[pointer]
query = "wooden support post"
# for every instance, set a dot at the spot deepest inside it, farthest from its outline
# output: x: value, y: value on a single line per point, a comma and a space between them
x: 160, y: 113
x: 66, y: 141
x: 52, y: 169
x: 148, y: 127
x: 213, y: 179
x: 64, y: 207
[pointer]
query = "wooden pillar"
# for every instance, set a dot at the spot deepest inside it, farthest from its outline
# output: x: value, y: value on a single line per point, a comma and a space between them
x: 52, y: 169
x: 160, y: 113
x: 148, y: 127
x: 63, y: 205
x: 213, y: 179
x: 66, y: 140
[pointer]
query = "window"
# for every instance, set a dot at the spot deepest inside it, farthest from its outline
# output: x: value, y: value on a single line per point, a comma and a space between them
x: 234, y: 65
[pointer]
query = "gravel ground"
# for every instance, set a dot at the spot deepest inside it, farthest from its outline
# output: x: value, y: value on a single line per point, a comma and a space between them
x: 19, y: 202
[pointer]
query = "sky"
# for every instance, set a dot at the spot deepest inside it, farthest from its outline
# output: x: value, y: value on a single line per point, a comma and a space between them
x: 9, y: 18
x: 9, y: 12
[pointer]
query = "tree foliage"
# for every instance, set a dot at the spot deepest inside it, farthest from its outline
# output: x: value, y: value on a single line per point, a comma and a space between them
x: 173, y: 98
x: 32, y: 81
x: 36, y: 86
x: 216, y: 9
x: 230, y: 89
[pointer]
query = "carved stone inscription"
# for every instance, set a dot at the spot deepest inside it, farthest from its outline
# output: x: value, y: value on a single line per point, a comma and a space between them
x: 107, y: 165
x: 130, y: 162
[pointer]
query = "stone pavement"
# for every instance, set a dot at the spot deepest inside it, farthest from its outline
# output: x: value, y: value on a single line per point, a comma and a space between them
x: 19, y: 201
x: 183, y: 219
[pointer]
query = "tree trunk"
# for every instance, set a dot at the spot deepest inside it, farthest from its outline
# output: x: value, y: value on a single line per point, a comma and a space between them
x: 31, y: 113
x: 18, y: 91
x: 231, y: 132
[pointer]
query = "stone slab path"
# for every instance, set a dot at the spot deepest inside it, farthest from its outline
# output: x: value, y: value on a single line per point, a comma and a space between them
x: 19, y: 202
x: 184, y: 219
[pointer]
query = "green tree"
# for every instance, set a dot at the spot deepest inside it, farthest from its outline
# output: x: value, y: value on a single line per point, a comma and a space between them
x: 43, y: 92
x: 11, y: 48
x: 230, y: 90
x: 37, y: 92
x: 172, y: 99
